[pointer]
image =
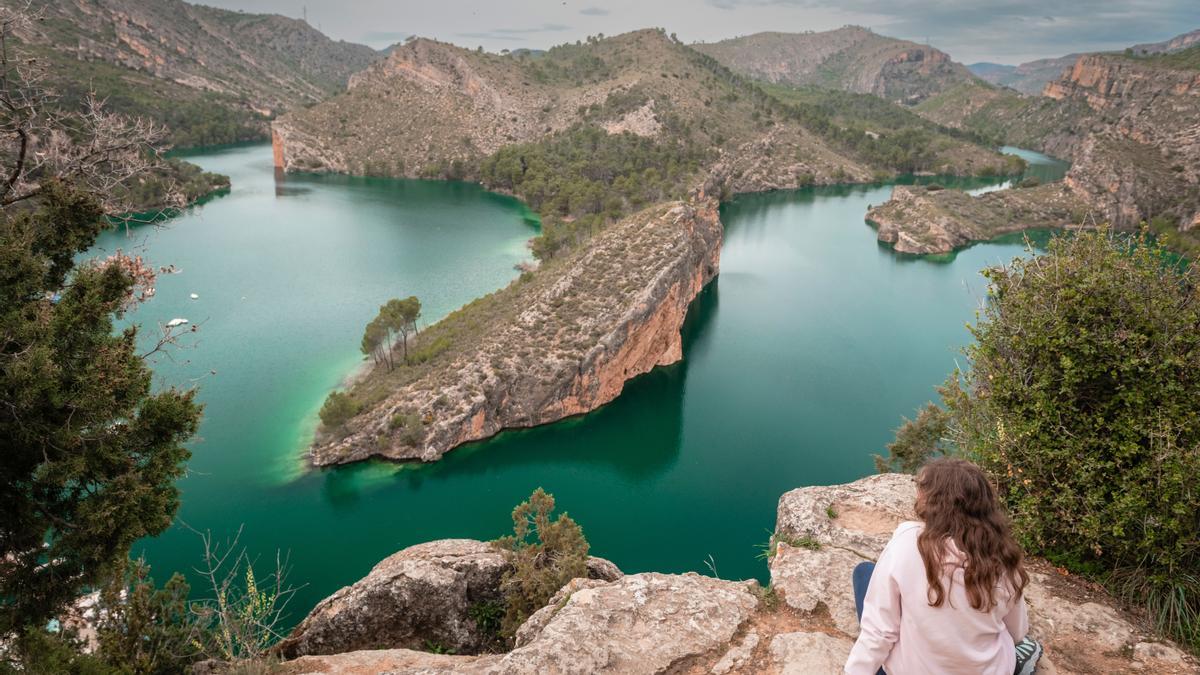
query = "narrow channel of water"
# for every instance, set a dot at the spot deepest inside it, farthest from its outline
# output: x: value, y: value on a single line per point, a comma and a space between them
x: 800, y: 359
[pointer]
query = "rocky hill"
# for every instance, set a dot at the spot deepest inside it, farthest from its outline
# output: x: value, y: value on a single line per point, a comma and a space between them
x: 212, y: 75
x: 1141, y: 159
x: 1130, y: 124
x: 461, y: 105
x: 802, y: 623
x: 850, y: 58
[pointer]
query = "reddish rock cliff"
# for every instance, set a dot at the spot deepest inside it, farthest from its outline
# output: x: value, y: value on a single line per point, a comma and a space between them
x: 577, y: 334
x: 1140, y: 155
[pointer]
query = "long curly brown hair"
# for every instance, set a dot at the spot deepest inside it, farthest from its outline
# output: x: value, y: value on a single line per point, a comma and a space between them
x: 956, y: 501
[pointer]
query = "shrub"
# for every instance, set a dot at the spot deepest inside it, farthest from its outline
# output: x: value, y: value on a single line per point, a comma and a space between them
x: 1083, y: 404
x: 916, y: 442
x: 546, y: 554
x: 339, y: 407
x: 410, y: 428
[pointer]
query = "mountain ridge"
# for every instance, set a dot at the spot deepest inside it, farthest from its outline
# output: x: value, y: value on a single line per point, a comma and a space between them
x: 851, y: 58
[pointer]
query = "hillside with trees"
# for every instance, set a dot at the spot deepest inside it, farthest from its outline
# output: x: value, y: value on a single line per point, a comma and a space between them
x: 210, y: 75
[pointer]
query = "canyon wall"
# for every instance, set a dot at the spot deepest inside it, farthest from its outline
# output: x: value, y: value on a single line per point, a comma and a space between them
x: 1140, y: 154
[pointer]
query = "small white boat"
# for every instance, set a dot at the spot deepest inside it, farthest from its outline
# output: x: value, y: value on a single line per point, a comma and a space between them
x: 175, y: 323
x: 194, y: 296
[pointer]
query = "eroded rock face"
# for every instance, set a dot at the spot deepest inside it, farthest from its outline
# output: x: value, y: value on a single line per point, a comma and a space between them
x: 420, y: 596
x: 423, y: 593
x: 1140, y: 157
x: 918, y: 221
x: 636, y: 279
x: 649, y: 622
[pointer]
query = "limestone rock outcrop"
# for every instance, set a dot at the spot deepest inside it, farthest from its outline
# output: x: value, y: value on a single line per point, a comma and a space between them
x: 636, y: 279
x: 666, y: 623
x: 918, y: 221
x: 424, y: 595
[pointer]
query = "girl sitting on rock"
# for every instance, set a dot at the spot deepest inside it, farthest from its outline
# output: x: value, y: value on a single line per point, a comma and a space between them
x: 946, y: 594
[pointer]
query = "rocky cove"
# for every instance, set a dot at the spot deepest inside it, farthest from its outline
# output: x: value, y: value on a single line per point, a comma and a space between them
x: 803, y: 623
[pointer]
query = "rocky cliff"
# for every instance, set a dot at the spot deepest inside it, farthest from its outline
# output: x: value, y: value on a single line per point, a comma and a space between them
x: 919, y: 221
x: 803, y: 623
x: 850, y: 58
x: 1129, y: 124
x: 557, y: 343
x: 1140, y: 158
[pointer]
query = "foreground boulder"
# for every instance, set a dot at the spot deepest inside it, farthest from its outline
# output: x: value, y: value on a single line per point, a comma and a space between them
x: 425, y: 597
x: 803, y: 625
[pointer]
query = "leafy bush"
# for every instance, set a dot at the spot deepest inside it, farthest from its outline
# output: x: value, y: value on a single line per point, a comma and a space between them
x: 339, y: 407
x: 546, y: 553
x: 1083, y: 403
x: 408, y: 426
x: 144, y: 629
x: 916, y: 442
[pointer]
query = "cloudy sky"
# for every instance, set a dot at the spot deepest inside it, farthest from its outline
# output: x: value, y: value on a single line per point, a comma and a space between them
x: 971, y: 30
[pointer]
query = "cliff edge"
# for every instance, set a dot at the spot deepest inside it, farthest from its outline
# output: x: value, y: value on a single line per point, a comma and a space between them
x: 687, y: 623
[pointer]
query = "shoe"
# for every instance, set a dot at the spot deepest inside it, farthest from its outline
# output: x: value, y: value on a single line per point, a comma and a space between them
x: 1028, y: 653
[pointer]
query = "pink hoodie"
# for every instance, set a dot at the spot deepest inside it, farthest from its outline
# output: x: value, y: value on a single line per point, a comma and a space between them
x: 902, y: 633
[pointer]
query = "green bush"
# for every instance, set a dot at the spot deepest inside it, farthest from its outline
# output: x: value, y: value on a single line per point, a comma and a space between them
x: 339, y: 407
x: 546, y: 554
x: 1083, y: 403
x: 408, y: 426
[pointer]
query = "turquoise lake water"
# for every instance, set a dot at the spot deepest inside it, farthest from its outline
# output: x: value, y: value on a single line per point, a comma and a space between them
x: 799, y: 361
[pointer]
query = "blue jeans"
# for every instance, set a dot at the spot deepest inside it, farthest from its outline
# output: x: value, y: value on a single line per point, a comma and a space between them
x: 862, y: 579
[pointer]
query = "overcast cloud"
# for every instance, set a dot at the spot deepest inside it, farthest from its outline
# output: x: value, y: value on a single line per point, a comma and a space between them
x: 970, y: 30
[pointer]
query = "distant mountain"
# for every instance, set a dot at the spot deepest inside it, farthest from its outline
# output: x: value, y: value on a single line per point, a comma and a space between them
x: 851, y: 59
x: 1177, y: 43
x: 212, y: 75
x: 1032, y: 77
x: 988, y: 70
x: 1027, y: 78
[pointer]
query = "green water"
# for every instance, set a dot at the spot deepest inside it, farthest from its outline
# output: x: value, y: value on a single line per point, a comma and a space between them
x: 799, y: 361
